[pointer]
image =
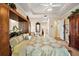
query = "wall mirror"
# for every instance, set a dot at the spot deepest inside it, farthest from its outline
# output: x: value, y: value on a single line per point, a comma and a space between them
x: 37, y: 27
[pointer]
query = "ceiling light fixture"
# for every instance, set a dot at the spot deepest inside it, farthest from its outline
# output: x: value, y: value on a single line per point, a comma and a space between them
x: 51, y: 5
x: 44, y: 4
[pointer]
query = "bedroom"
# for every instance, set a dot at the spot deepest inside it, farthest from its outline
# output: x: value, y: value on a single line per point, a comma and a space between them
x: 37, y: 29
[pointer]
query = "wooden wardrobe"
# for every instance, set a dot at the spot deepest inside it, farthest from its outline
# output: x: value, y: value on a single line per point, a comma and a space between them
x: 5, y: 14
x: 74, y: 30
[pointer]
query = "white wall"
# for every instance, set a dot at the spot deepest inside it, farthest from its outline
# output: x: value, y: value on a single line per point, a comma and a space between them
x: 56, y: 28
x: 67, y: 30
x: 43, y: 22
x: 52, y: 25
x: 13, y: 23
x: 61, y: 28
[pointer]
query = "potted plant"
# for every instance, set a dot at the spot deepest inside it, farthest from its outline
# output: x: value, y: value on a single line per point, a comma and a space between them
x: 12, y: 5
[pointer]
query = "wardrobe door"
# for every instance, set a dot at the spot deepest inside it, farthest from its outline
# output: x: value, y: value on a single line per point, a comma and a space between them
x: 77, y: 32
x: 4, y: 30
x: 72, y: 32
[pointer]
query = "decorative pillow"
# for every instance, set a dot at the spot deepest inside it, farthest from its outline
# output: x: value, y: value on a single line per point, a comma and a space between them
x: 20, y: 38
x: 29, y: 37
x: 25, y: 36
x: 13, y: 41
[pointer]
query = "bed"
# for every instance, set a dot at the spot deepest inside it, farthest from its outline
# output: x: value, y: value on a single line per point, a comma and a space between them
x: 37, y: 46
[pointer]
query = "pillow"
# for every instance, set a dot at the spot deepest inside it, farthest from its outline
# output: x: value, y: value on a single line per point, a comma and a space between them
x: 20, y: 38
x: 25, y: 36
x: 13, y: 41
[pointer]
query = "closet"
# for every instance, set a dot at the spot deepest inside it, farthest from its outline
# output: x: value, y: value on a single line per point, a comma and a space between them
x: 74, y: 30
x: 6, y: 14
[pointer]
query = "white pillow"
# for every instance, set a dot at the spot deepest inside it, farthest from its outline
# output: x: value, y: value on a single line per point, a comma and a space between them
x: 25, y: 36
x: 20, y: 38
x: 29, y: 37
x: 13, y: 41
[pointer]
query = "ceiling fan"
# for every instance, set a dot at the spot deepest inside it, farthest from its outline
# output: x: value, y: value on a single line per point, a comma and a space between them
x: 49, y: 6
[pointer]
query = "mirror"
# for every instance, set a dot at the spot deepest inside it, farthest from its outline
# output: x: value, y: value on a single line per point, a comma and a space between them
x: 37, y: 27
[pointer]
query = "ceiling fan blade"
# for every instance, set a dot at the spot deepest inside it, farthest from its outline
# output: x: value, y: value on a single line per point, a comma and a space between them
x: 45, y: 8
x: 44, y: 4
